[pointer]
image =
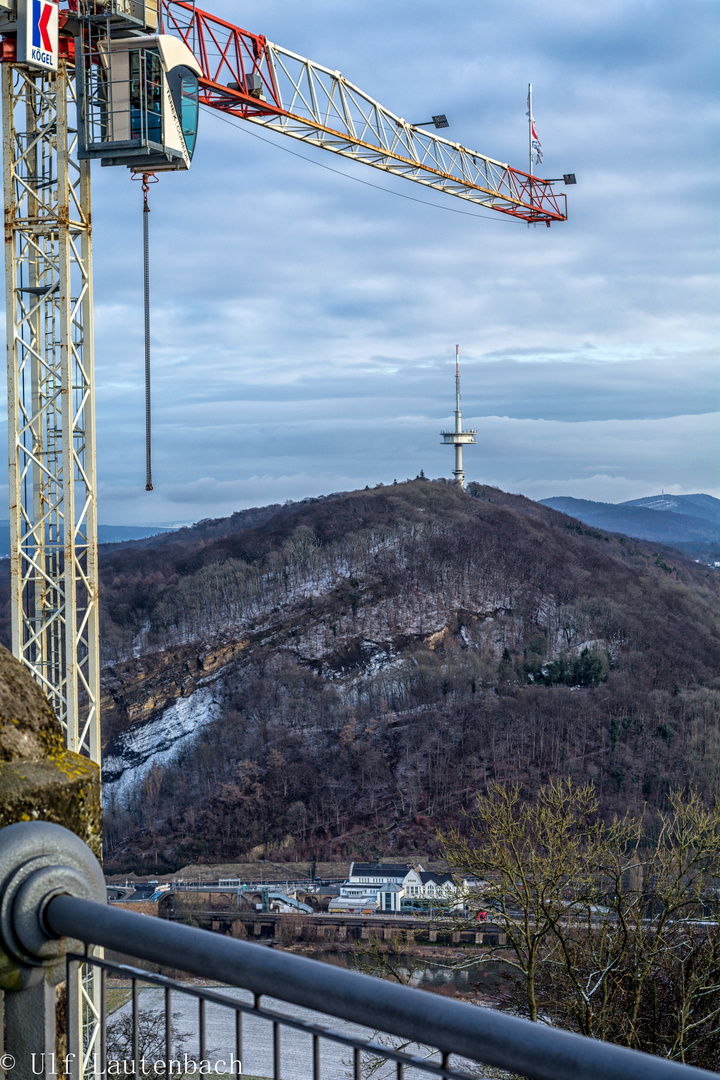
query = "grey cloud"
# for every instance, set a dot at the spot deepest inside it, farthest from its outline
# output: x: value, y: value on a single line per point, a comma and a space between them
x: 609, y: 460
x: 297, y: 314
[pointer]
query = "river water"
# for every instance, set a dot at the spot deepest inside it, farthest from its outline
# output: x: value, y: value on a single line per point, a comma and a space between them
x: 419, y: 971
x: 296, y: 1051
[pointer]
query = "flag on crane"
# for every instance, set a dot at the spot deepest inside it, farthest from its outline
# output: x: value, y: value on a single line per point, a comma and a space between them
x: 534, y: 140
x: 536, y: 144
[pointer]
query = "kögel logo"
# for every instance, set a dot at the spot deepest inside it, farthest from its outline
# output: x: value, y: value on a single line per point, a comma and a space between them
x: 38, y: 33
x: 41, y: 18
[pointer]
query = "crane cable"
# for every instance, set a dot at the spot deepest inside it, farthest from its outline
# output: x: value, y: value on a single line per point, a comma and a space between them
x: 348, y: 176
x: 147, y: 179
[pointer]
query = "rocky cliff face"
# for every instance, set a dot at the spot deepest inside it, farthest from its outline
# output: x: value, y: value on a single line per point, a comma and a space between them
x: 344, y: 674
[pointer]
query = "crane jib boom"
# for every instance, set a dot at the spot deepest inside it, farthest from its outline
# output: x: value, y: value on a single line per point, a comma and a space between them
x: 245, y: 75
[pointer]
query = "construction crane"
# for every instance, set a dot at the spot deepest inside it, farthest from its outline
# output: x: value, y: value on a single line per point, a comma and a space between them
x: 121, y: 81
x: 92, y: 80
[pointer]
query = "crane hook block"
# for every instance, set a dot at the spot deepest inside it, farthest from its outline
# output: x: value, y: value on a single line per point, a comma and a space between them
x: 140, y: 102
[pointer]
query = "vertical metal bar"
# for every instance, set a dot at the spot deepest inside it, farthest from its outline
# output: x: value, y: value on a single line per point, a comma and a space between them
x: 85, y: 374
x: 74, y: 1020
x: 276, y: 1050
x: 238, y: 1041
x: 356, y: 1064
x: 67, y: 410
x: 146, y: 301
x: 316, y: 1057
x: 142, y: 71
x: 9, y: 155
x: 111, y: 113
x: 135, y: 1027
x: 168, y: 1030
x: 201, y: 1030
x: 102, y: 974
x: 400, y: 1070
x: 34, y: 274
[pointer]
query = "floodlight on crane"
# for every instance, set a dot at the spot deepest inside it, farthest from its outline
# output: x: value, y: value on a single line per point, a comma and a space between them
x: 440, y: 121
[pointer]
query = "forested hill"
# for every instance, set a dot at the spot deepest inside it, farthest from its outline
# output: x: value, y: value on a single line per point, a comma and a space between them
x: 340, y: 676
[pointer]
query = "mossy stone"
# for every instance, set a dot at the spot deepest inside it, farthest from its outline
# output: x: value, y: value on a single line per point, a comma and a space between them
x: 39, y: 779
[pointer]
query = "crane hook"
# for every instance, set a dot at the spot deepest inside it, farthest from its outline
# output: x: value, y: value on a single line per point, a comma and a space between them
x: 147, y: 179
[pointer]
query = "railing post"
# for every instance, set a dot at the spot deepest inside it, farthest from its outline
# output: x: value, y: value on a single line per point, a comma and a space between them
x: 74, y: 1022
x: 30, y: 1032
x: 38, y: 862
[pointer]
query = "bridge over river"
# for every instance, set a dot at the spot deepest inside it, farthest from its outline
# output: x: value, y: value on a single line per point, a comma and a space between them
x: 227, y: 912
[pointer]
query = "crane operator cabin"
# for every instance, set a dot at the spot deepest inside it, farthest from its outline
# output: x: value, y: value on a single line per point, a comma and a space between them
x: 137, y: 91
x: 140, y: 102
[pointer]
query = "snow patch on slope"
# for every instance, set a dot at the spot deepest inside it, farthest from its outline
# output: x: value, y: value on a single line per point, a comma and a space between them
x: 156, y: 743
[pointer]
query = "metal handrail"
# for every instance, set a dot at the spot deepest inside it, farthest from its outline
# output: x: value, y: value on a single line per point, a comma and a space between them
x: 202, y: 994
x: 533, y: 1050
x: 53, y: 897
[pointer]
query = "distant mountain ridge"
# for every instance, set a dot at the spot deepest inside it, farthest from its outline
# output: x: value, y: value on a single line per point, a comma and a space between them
x: 701, y: 506
x: 668, y: 519
x: 107, y: 534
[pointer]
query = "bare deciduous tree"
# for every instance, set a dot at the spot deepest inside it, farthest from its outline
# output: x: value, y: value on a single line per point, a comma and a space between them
x: 151, y: 1036
x: 613, y: 930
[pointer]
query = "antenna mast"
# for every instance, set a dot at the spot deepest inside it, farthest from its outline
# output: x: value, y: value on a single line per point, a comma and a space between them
x: 458, y: 438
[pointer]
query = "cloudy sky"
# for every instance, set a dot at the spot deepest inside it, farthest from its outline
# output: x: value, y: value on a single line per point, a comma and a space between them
x: 305, y: 323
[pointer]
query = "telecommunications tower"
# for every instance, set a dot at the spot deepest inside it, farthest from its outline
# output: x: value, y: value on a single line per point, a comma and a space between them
x: 458, y: 437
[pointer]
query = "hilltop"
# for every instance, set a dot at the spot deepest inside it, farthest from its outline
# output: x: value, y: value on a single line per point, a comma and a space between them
x: 338, y: 677
x: 706, y: 507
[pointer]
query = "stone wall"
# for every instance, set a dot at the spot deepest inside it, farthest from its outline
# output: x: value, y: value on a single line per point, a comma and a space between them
x: 42, y: 781
x: 39, y: 779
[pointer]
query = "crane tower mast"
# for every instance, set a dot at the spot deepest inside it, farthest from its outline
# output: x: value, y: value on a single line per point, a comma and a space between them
x: 62, y: 108
x: 51, y: 423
